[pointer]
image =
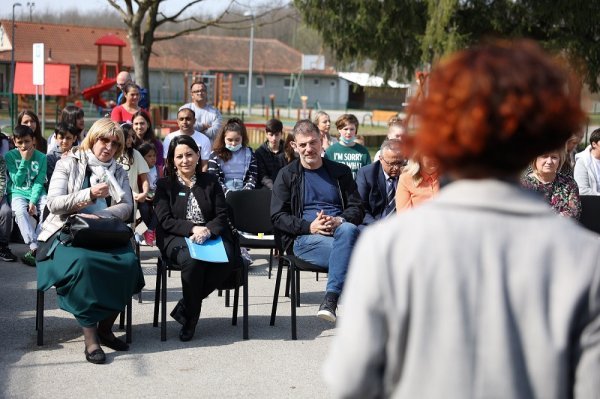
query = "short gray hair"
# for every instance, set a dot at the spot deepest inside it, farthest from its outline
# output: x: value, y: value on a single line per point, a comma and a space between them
x: 391, y: 144
x: 305, y: 127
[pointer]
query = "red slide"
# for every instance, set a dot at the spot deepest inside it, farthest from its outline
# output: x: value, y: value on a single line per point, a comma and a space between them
x: 92, y: 93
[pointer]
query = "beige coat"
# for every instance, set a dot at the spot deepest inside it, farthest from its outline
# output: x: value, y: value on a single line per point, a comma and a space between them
x: 482, y: 292
x: 66, y: 197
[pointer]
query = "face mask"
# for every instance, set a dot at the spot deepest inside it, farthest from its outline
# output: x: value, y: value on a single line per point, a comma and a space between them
x: 233, y: 148
x: 347, y: 141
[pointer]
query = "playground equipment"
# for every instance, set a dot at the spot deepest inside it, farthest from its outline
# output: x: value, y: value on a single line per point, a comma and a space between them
x: 107, y: 71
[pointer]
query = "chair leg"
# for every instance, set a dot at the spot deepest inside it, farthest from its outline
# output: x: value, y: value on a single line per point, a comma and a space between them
x: 163, y: 304
x: 122, y: 320
x: 220, y: 292
x: 139, y: 295
x: 39, y: 317
x: 297, y: 288
x: 236, y: 298
x: 270, y: 262
x: 159, y: 266
x: 276, y: 294
x: 287, y: 283
x: 128, y: 322
x: 227, y: 295
x: 317, y: 276
x: 245, y: 334
x: 293, y: 299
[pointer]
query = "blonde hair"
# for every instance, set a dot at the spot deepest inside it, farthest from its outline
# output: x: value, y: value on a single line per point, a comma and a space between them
x: 412, y: 168
x: 104, y: 128
x: 562, y: 157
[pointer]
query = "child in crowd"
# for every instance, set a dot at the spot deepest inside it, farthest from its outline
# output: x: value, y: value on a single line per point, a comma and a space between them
x: 5, y: 217
x: 26, y: 176
x: 232, y: 160
x: 148, y: 151
x: 347, y: 150
x: 267, y: 158
x: 29, y: 118
x: 142, y: 127
x: 73, y: 117
x: 63, y: 138
x: 136, y: 167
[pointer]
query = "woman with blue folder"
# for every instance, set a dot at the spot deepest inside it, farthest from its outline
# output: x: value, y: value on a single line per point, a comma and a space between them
x: 190, y: 204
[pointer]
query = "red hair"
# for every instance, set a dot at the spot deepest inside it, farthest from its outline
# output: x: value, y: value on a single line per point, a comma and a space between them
x: 492, y: 108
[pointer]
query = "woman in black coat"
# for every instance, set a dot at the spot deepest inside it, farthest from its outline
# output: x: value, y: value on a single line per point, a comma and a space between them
x: 199, y: 216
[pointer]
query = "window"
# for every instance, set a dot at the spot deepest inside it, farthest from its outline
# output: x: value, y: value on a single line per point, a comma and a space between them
x: 242, y: 80
x: 316, y: 82
x: 288, y: 83
x: 260, y: 81
x: 333, y: 83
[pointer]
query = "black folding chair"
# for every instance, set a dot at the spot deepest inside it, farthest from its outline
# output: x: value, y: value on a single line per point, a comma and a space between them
x: 590, y: 212
x: 251, y: 215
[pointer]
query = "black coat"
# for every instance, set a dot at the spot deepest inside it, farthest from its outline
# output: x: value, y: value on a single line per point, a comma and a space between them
x: 288, y: 195
x: 373, y: 191
x: 170, y: 205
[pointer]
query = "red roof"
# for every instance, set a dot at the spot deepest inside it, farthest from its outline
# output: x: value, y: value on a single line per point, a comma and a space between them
x: 110, y: 40
x: 56, y: 79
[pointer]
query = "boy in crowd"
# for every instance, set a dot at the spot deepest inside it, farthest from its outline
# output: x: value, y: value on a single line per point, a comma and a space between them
x: 347, y: 150
x: 186, y: 118
x: 64, y: 137
x: 267, y: 158
x: 5, y: 217
x: 26, y: 176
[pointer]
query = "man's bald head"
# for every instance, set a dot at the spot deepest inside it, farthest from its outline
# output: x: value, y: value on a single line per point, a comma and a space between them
x: 123, y: 77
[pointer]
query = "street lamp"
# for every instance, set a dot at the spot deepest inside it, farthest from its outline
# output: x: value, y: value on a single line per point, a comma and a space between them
x: 12, y: 69
x: 248, y: 13
x: 30, y: 5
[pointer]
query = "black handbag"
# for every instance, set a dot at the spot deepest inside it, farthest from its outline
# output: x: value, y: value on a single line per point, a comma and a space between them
x: 95, y: 233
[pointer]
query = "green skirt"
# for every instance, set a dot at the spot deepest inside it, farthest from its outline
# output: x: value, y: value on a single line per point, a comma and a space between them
x: 92, y: 285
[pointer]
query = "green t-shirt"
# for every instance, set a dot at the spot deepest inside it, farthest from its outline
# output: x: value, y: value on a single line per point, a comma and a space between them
x: 354, y: 157
x: 26, y: 178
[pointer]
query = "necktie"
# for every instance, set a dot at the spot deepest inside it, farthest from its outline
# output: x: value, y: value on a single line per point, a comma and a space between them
x: 391, y: 197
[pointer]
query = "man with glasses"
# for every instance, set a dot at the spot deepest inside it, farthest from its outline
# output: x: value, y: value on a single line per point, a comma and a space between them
x: 208, y: 118
x: 377, y: 182
x: 124, y: 77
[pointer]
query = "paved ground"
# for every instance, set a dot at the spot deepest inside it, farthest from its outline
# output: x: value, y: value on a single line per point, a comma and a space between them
x: 216, y: 363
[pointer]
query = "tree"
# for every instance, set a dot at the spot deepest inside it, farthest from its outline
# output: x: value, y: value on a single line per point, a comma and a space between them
x: 403, y: 35
x: 144, y: 20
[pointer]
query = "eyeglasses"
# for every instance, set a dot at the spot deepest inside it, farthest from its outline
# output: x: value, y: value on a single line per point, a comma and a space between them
x: 184, y: 119
x: 106, y: 141
x: 397, y: 164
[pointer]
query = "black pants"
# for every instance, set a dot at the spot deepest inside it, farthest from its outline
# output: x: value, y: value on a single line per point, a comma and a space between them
x: 198, y: 278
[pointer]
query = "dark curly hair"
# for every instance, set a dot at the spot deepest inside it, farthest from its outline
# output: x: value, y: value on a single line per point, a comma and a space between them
x: 492, y: 108
x: 232, y: 125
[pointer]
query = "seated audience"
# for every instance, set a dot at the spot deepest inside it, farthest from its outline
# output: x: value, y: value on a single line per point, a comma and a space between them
x: 559, y: 191
x: 483, y: 292
x: 143, y: 133
x: 148, y: 151
x: 137, y: 169
x: 63, y: 139
x: 26, y: 171
x: 267, y: 158
x: 29, y: 118
x: 190, y: 203
x: 323, y: 122
x: 587, y: 167
x: 419, y: 182
x: 185, y: 121
x: 231, y: 160
x: 73, y: 117
x: 316, y: 207
x: 347, y: 150
x: 6, y: 218
x: 93, y: 285
x: 378, y: 181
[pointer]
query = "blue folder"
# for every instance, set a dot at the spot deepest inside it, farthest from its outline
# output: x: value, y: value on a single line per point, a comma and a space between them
x: 209, y: 251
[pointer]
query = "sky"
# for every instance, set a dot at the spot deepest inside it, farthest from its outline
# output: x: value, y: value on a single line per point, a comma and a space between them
x: 211, y: 7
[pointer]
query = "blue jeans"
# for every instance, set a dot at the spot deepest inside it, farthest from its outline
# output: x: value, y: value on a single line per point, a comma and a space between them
x: 26, y: 223
x: 330, y: 252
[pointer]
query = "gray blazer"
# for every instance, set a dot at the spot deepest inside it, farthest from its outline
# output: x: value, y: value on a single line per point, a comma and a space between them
x: 480, y: 293
x: 66, y: 197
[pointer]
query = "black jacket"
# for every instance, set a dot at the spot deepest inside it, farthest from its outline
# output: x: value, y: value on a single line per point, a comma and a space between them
x: 170, y: 205
x: 288, y: 196
x: 268, y: 164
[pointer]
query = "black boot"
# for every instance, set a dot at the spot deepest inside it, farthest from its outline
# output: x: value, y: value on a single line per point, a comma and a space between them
x: 178, y: 313
x: 187, y: 331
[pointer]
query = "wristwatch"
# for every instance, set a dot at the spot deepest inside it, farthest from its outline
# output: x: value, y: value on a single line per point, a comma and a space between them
x: 341, y: 219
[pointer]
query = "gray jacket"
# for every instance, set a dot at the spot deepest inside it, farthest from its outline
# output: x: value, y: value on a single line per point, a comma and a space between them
x: 66, y: 197
x: 585, y: 173
x: 482, y: 292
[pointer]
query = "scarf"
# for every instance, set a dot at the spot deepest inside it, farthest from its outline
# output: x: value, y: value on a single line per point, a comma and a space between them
x: 105, y: 172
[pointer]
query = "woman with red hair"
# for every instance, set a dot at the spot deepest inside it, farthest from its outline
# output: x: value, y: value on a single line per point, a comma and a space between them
x: 483, y: 291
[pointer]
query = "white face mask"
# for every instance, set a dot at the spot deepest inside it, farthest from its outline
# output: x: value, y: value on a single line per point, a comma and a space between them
x: 233, y: 148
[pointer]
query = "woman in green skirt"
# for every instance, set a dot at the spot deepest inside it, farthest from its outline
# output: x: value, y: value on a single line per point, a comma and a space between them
x: 92, y: 285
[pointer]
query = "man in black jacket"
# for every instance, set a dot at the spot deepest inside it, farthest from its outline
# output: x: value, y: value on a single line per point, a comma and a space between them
x: 316, y: 207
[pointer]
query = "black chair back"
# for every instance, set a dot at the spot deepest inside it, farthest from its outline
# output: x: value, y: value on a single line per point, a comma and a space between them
x: 590, y: 212
x: 251, y: 210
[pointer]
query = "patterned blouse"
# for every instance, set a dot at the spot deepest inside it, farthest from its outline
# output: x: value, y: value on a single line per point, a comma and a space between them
x: 193, y: 212
x: 562, y: 194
